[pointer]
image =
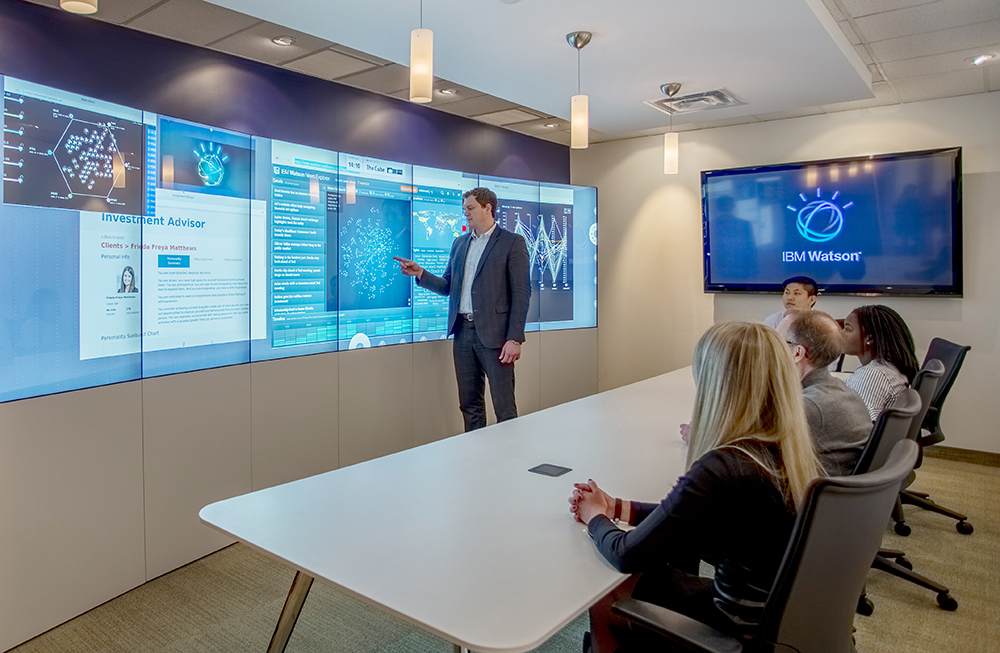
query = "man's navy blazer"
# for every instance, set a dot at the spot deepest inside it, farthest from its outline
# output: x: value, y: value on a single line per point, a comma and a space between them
x: 500, y: 290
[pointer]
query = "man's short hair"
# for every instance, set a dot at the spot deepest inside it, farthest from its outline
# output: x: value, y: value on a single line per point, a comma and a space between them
x: 484, y: 196
x: 818, y: 333
x: 807, y: 282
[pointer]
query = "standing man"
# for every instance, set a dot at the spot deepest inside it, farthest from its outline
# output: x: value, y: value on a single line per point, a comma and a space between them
x: 838, y: 418
x: 487, y: 283
x: 797, y: 292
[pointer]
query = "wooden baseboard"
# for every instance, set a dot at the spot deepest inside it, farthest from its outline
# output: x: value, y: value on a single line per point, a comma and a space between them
x: 963, y: 455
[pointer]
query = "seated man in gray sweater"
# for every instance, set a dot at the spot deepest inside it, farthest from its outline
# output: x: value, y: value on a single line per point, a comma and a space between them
x: 837, y: 416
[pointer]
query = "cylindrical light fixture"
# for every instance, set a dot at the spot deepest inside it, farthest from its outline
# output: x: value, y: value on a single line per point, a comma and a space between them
x: 580, y: 111
x: 671, y: 142
x: 671, y: 153
x: 79, y: 6
x: 580, y: 123
x: 421, y: 65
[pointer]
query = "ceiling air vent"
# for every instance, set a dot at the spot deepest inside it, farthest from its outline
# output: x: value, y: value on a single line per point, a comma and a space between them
x: 717, y: 99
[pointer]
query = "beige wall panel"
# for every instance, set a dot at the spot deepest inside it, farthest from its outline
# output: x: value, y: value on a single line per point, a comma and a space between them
x: 71, y: 522
x: 293, y: 418
x: 568, y: 365
x: 436, y: 414
x: 196, y: 430
x: 650, y: 305
x: 376, y: 402
x: 653, y: 309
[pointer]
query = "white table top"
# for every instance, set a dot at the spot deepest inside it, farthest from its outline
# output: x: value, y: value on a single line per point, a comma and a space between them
x: 457, y: 537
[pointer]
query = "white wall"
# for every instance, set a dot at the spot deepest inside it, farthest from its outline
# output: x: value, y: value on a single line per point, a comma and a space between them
x: 651, y: 305
x: 100, y: 489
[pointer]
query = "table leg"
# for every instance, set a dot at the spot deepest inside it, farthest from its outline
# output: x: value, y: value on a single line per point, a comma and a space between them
x: 290, y: 613
x: 461, y: 649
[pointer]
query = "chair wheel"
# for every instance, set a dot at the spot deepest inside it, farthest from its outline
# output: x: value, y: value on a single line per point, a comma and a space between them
x: 901, y: 529
x: 964, y: 527
x: 866, y: 607
x: 947, y: 603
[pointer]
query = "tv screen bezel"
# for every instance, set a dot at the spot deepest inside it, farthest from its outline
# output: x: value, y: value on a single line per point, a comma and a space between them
x: 956, y: 289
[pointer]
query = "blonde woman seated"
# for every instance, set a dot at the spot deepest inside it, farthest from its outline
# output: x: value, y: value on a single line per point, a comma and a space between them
x: 750, y: 460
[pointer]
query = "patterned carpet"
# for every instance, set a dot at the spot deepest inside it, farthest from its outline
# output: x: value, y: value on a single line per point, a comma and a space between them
x: 229, y: 601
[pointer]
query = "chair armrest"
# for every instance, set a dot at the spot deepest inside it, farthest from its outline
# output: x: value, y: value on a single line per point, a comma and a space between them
x: 684, y: 631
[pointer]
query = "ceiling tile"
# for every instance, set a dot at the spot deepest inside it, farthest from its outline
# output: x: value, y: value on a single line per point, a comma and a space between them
x: 884, y: 95
x: 438, y: 98
x: 834, y: 9
x: 538, y: 127
x: 506, y: 117
x: 478, y: 105
x: 192, y: 21
x: 950, y: 84
x: 859, y: 8
x: 358, y: 54
x: 937, y: 63
x: 386, y: 80
x: 328, y: 64
x: 255, y: 43
x: 993, y: 78
x: 122, y: 11
x: 852, y: 36
x: 862, y: 51
x: 945, y: 40
x: 111, y: 11
x: 932, y: 17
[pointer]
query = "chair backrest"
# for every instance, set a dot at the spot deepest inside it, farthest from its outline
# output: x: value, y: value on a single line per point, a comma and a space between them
x: 952, y: 355
x: 891, y: 426
x: 925, y: 382
x: 837, y: 534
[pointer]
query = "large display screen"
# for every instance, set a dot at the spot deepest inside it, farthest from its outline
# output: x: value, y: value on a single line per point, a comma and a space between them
x: 888, y: 224
x: 134, y: 245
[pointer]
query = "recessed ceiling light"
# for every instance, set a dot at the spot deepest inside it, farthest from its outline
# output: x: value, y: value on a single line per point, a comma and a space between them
x: 980, y: 59
x: 79, y: 6
x: 283, y: 40
x: 551, y: 125
x: 449, y: 91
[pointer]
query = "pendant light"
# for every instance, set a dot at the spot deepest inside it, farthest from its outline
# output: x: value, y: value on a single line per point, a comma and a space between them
x: 671, y: 141
x: 580, y: 112
x: 421, y: 62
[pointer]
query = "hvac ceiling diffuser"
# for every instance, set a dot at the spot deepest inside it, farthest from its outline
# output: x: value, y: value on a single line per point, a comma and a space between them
x: 717, y: 99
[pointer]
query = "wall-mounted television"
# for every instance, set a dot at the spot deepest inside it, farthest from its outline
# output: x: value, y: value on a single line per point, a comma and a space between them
x: 882, y: 224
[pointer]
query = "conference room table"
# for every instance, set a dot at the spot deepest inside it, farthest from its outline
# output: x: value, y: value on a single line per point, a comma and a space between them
x: 457, y: 537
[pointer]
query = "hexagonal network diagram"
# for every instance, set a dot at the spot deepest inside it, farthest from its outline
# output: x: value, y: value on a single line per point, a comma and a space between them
x: 89, y: 159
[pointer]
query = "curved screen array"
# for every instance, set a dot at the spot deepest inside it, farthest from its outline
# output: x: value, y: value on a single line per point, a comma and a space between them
x: 888, y: 224
x: 135, y: 245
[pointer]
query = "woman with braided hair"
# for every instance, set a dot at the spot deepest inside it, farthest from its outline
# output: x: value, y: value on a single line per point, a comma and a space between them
x: 880, y: 339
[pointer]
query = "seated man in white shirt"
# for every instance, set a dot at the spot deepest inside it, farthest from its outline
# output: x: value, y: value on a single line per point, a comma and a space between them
x: 797, y: 292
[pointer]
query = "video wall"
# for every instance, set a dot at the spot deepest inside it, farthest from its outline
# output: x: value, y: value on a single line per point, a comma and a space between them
x: 136, y: 245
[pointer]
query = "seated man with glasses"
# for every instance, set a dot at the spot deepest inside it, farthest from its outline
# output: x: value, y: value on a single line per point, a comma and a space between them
x: 838, y: 418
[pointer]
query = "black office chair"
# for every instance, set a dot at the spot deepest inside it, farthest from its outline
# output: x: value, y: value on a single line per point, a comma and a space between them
x: 952, y: 356
x: 925, y: 382
x: 811, y: 605
x: 893, y: 425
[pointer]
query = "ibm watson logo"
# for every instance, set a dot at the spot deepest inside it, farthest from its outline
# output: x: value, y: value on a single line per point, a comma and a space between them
x: 819, y: 220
